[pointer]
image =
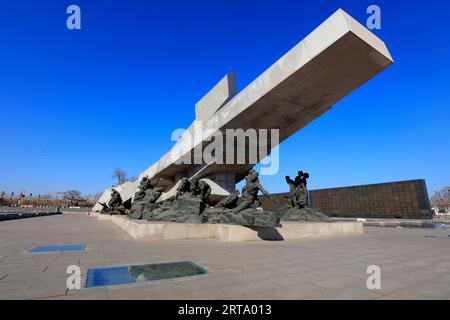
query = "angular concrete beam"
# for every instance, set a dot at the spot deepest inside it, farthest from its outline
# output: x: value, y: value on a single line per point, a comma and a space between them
x: 222, y: 92
x: 331, y: 62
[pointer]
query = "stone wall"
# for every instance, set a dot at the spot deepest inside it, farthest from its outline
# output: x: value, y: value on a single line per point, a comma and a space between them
x: 403, y: 199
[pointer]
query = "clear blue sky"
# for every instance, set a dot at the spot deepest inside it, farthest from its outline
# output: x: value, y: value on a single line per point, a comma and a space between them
x: 76, y: 104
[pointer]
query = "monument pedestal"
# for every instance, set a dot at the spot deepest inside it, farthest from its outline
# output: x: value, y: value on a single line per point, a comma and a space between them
x: 149, y: 230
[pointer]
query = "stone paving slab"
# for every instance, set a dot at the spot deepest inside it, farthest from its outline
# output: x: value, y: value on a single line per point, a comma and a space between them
x: 413, y: 266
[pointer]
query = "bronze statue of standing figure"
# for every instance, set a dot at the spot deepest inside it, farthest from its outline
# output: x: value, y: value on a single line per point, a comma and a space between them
x: 298, y: 192
x: 298, y: 205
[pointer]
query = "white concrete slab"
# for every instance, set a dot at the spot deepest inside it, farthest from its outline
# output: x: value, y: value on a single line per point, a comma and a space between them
x: 216, y: 97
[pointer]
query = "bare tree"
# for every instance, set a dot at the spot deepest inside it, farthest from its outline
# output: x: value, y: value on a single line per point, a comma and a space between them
x: 97, y: 195
x: 441, y: 199
x: 119, y: 175
x: 72, y: 195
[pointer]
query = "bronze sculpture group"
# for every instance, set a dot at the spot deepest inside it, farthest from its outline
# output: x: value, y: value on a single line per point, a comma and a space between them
x: 115, y: 204
x: 298, y: 208
x: 191, y: 204
x: 144, y: 199
x: 298, y: 193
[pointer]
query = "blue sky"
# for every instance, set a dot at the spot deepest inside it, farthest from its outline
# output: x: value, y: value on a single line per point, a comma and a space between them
x: 76, y: 104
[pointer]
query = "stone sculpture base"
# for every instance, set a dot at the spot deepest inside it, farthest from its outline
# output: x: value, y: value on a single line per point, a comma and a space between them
x: 305, y: 214
x: 149, y: 230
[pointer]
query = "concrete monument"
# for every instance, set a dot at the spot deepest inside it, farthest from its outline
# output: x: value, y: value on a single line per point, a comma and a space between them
x: 335, y: 59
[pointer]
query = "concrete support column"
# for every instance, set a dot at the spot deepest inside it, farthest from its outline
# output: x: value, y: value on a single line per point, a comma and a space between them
x: 224, y: 180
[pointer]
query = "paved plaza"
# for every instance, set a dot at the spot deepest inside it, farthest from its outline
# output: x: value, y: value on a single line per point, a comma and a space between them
x: 414, y: 264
